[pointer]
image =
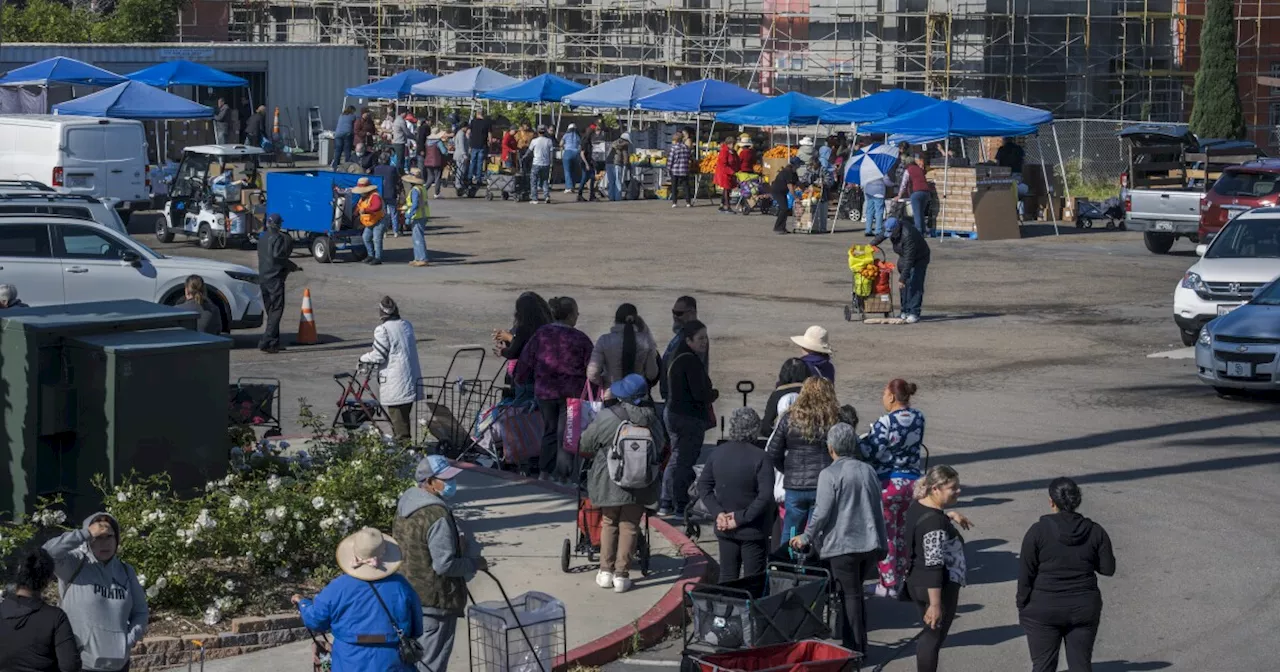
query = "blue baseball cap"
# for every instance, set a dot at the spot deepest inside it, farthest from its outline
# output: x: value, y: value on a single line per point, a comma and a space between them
x: 630, y: 387
x: 435, y: 466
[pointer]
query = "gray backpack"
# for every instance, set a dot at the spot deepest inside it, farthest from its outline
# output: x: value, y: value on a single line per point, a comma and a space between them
x: 633, y: 461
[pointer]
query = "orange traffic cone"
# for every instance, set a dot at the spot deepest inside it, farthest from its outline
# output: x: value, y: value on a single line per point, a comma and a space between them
x: 307, y: 323
x: 275, y: 123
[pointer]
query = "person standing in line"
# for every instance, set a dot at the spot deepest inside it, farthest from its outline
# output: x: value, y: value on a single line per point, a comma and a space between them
x: 848, y: 527
x: 791, y: 377
x: 478, y: 141
x: 390, y: 192
x: 395, y: 355
x: 936, y: 559
x: 461, y: 156
x: 726, y: 169
x: 197, y: 299
x: 913, y: 264
x: 99, y: 592
x: 416, y: 213
x: 433, y: 155
x: 617, y: 165
x: 915, y: 187
x: 798, y: 448
x: 1058, y: 598
x: 555, y: 360
x: 589, y: 164
x: 684, y: 310
x: 363, y: 128
x: 873, y: 204
x: 439, y: 558
x: 895, y: 449
x: 372, y: 213
x: 688, y: 414
x: 400, y: 134
x: 571, y: 157
x: 255, y: 128
x: 221, y: 122
x: 274, y: 267
x: 621, y: 509
x: 736, y: 486
x: 817, y: 352
x: 626, y: 349
x: 678, y: 157
x: 542, y: 148
x: 785, y: 184
x: 369, y: 607
x: 35, y: 636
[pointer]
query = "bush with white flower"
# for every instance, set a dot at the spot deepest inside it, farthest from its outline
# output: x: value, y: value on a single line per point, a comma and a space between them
x: 16, y: 535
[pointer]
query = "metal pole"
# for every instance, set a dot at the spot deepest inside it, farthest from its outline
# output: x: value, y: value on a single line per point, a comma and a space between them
x: 946, y: 169
x: 1061, y: 165
x: 1047, y: 188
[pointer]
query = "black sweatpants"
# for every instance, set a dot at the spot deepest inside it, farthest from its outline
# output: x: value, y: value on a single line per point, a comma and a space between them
x: 687, y: 181
x: 848, y: 571
x: 780, y: 223
x: 552, y: 411
x: 741, y: 557
x: 930, y: 641
x: 273, y: 304
x: 1071, y: 621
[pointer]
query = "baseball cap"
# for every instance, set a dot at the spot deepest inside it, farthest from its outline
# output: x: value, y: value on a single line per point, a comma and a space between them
x: 435, y: 466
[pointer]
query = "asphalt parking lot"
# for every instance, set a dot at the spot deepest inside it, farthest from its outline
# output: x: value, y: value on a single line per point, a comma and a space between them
x: 1032, y: 362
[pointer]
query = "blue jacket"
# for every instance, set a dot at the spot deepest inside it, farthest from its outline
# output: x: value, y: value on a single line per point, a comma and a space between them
x: 346, y: 124
x: 347, y: 608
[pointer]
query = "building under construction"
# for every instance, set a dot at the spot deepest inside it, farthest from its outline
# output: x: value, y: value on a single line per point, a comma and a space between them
x: 1129, y: 59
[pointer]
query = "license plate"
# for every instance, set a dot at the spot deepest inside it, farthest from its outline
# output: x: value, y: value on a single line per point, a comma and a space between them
x: 1163, y: 226
x: 77, y: 181
x: 1239, y: 370
x: 1224, y: 309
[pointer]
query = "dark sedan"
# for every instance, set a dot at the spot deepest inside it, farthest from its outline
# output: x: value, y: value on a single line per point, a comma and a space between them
x: 1241, y: 350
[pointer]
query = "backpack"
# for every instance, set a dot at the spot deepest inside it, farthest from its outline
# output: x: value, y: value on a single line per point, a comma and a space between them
x: 633, y: 461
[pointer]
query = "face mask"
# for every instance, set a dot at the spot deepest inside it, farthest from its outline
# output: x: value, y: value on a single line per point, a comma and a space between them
x: 450, y: 489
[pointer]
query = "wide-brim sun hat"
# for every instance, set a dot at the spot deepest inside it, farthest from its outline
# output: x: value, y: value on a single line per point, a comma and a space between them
x: 363, y: 186
x: 806, y: 142
x: 414, y: 177
x: 369, y: 555
x: 813, y: 340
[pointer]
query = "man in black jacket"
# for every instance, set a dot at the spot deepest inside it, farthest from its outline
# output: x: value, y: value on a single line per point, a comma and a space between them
x: 913, y: 262
x: 256, y: 126
x: 274, y: 266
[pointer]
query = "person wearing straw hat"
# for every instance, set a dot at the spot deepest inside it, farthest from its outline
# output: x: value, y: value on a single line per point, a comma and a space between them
x: 416, y: 213
x: 817, y: 352
x: 371, y: 213
x: 369, y: 608
x: 746, y: 154
x: 438, y: 559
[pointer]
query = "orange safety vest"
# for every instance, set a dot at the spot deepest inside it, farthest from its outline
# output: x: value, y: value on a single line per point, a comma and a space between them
x: 369, y: 218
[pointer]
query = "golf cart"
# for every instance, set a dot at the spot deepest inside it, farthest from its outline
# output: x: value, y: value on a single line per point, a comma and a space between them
x: 216, y: 196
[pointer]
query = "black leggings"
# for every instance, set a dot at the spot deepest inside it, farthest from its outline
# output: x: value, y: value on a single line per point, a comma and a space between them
x: 740, y: 558
x: 931, y: 640
x: 1073, y: 622
x: 848, y: 571
x: 780, y: 223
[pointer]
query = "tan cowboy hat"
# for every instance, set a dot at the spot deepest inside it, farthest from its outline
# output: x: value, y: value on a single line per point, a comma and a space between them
x: 363, y: 186
x: 369, y: 555
x: 813, y: 340
x: 414, y: 177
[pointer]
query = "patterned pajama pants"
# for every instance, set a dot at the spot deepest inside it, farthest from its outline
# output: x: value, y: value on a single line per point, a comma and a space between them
x: 897, y: 496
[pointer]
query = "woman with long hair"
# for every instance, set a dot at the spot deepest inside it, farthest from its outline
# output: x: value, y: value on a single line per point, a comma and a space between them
x: 532, y: 312
x: 627, y: 348
x: 798, y: 448
x: 197, y: 299
x: 690, y: 395
x: 894, y: 448
x: 935, y: 559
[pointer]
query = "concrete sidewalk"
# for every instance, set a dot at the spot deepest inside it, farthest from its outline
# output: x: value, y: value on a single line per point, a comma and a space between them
x: 522, y: 526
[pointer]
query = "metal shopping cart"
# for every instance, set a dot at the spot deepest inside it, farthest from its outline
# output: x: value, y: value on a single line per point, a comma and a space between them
x: 451, y: 403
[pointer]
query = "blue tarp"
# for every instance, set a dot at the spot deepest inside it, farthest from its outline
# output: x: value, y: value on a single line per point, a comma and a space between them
x: 60, y: 70
x: 541, y: 89
x: 622, y: 92
x: 463, y: 84
x: 948, y: 119
x: 704, y: 95
x: 1031, y: 116
x: 394, y: 87
x: 305, y: 201
x: 134, y: 100
x: 185, y: 73
x: 877, y: 106
x: 789, y: 109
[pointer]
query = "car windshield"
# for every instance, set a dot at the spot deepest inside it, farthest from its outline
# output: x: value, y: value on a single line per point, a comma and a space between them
x: 1268, y: 295
x: 1247, y: 238
x: 1248, y: 185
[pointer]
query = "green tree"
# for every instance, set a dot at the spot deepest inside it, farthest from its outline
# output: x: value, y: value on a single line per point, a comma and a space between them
x: 139, y: 21
x: 46, y: 21
x: 54, y: 21
x: 1217, y: 112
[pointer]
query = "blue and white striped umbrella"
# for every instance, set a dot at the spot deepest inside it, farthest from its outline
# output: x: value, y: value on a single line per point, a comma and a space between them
x: 871, y: 164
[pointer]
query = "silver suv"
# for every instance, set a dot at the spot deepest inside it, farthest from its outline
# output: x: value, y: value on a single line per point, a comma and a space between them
x: 76, y: 206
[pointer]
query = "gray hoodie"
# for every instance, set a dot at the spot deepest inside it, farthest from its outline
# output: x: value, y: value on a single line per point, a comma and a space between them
x: 105, y: 603
x: 446, y: 558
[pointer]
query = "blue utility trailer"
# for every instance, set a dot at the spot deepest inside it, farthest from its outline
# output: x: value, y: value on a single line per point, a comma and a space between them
x: 317, y: 210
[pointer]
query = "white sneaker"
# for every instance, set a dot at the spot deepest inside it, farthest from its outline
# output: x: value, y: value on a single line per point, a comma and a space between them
x: 675, y: 205
x: 911, y: 319
x: 605, y: 579
x: 534, y: 201
x: 621, y: 584
x: 688, y: 205
x: 568, y: 191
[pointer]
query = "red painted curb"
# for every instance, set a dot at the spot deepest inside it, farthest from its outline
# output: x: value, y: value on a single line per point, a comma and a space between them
x: 652, y: 626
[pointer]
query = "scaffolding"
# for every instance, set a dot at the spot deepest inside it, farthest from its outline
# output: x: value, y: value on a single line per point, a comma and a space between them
x: 1097, y: 58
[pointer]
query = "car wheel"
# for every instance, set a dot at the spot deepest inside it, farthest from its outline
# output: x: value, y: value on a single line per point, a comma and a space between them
x: 1158, y: 243
x: 322, y: 249
x: 205, y: 236
x: 163, y: 234
x: 1189, y: 337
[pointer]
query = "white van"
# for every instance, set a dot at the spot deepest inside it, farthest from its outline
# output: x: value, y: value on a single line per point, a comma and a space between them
x: 103, y: 158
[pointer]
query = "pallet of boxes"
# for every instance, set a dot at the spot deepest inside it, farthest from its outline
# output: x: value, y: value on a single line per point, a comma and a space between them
x: 979, y: 202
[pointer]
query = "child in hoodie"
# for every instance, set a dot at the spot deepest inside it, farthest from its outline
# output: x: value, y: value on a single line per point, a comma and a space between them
x: 438, y: 559
x: 100, y: 592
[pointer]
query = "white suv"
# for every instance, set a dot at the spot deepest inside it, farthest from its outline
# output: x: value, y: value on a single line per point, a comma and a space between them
x: 1243, y: 257
x: 64, y: 205
x: 55, y: 260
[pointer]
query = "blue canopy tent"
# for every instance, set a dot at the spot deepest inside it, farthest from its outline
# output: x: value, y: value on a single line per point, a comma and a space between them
x: 395, y: 87
x: 463, y: 84
x: 60, y: 70
x: 789, y: 109
x: 1032, y: 116
x: 185, y: 73
x: 703, y: 96
x: 875, y: 107
x: 134, y: 100
x: 546, y: 88
x: 622, y: 92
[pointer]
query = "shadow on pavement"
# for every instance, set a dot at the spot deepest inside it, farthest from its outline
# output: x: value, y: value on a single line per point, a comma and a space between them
x: 989, y: 566
x: 1130, y: 666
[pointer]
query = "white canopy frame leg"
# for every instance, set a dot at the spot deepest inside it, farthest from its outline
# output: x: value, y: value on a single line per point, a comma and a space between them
x: 1053, y: 211
x: 1062, y: 166
x: 946, y: 170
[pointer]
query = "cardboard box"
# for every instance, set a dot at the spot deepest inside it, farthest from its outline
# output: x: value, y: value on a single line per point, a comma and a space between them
x: 772, y: 167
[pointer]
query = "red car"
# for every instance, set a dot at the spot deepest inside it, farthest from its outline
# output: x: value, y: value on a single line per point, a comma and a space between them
x: 1241, y: 188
